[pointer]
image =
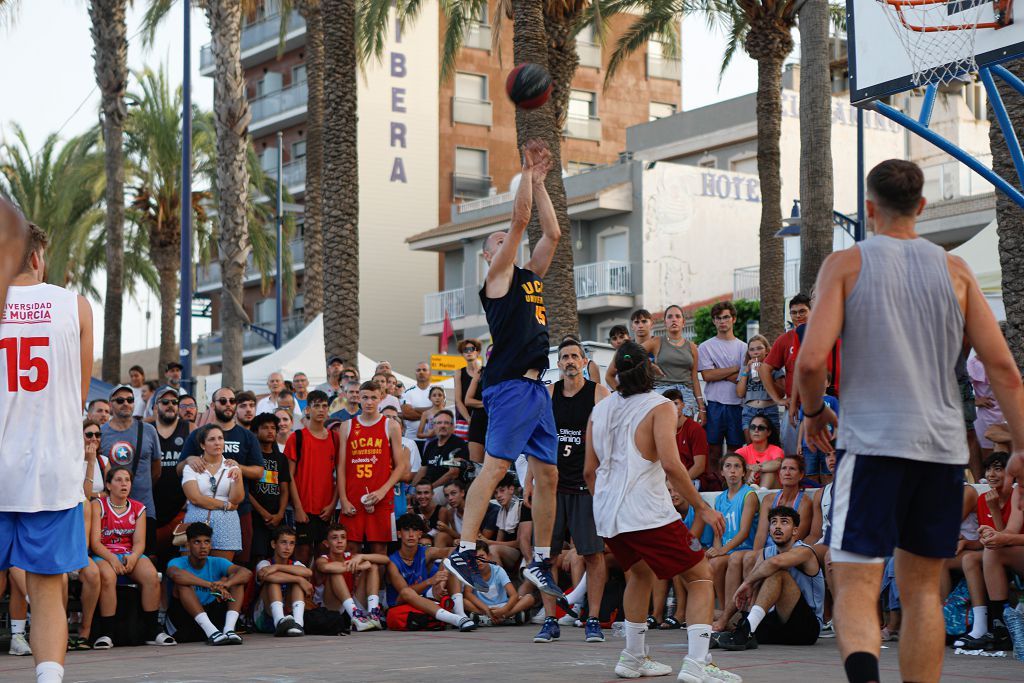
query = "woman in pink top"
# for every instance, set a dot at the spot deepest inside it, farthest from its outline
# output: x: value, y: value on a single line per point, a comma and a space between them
x: 989, y: 412
x: 763, y: 454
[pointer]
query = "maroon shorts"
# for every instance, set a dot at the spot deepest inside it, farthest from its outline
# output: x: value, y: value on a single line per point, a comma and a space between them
x: 668, y: 550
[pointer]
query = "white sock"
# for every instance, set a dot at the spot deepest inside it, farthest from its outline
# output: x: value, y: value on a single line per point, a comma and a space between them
x: 230, y: 619
x: 447, y: 617
x: 277, y: 611
x: 541, y: 553
x: 755, y: 617
x: 576, y: 595
x: 698, y: 638
x: 350, y: 607
x: 18, y: 626
x: 299, y: 611
x: 373, y: 602
x: 49, y: 672
x: 635, y: 636
x: 467, y: 545
x: 977, y: 631
x: 460, y: 607
x: 203, y: 619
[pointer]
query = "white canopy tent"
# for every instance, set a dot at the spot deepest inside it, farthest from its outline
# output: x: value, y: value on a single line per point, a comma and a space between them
x: 982, y: 254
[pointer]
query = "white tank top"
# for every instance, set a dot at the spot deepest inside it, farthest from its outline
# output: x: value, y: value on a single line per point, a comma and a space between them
x: 826, y: 509
x: 630, y: 492
x: 41, y: 447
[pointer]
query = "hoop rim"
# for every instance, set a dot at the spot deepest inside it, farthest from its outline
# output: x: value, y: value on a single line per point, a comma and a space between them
x: 1003, y: 10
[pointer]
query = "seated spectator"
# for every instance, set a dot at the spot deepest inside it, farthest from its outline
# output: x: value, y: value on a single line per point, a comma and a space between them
x: 414, y: 584
x: 89, y: 575
x: 312, y: 454
x: 340, y: 570
x: 215, y: 494
x: 441, y: 456
x: 785, y: 592
x: 426, y: 429
x: 969, y: 543
x: 283, y: 584
x: 99, y: 411
x: 505, y: 550
x: 18, y: 610
x: 207, y: 591
x: 449, y: 524
x: 118, y: 541
x: 618, y: 335
x: 763, y: 454
x: 1004, y: 552
x: 269, y: 495
x: 821, y: 507
x: 499, y: 604
x: 427, y: 509
x: 692, y: 443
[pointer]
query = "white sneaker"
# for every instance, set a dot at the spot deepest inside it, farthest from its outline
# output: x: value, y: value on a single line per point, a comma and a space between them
x: 566, y: 620
x: 631, y: 666
x: 695, y: 672
x: 19, y: 645
x: 539, y: 617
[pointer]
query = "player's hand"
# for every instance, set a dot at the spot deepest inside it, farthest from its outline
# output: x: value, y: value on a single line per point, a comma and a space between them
x: 713, y: 519
x: 1014, y: 473
x: 818, y: 430
x: 743, y: 595
x: 347, y: 508
x: 196, y: 463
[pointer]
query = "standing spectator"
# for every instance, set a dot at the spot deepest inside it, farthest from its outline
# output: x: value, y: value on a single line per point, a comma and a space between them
x: 242, y: 450
x: 989, y: 412
x: 282, y: 579
x: 167, y: 492
x: 147, y: 390
x: 269, y: 495
x: 172, y: 377
x: 207, y: 590
x: 750, y: 388
x: 187, y: 408
x: 215, y: 492
x: 641, y: 321
x: 351, y: 408
x: 470, y: 350
x: 312, y: 454
x: 693, y: 445
x: 136, y: 379
x: 275, y: 387
x: 99, y: 411
x: 300, y: 383
x: 285, y: 425
x: 970, y: 410
x: 440, y: 457
x: 618, y: 335
x: 332, y: 387
x: 118, y: 541
x: 426, y: 430
x: 415, y: 401
x: 245, y: 408
x: 130, y: 443
x: 477, y: 434
x: 287, y: 402
x: 783, y: 357
x: 720, y: 362
x: 411, y: 454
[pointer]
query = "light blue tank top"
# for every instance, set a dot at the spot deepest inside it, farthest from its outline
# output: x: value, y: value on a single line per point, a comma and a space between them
x: 732, y: 510
x: 811, y: 587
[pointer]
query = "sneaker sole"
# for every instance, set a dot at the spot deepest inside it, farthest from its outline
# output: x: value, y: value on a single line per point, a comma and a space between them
x: 593, y: 639
x: 627, y: 673
x: 543, y: 640
x: 483, y: 586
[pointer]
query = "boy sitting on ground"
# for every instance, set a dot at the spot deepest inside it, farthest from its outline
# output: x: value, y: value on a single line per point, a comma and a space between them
x: 278, y: 578
x: 344, y: 575
x: 499, y: 603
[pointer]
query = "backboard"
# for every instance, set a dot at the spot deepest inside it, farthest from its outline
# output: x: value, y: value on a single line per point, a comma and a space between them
x: 885, y: 34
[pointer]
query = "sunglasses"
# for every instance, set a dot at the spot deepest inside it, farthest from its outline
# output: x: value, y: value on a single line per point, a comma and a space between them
x: 168, y: 402
x: 123, y: 399
x: 759, y: 428
x: 469, y: 349
x: 92, y: 435
x: 213, y: 486
x: 187, y: 406
x: 226, y: 401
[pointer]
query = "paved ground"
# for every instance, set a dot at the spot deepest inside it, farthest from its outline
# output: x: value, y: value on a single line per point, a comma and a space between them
x: 495, y: 654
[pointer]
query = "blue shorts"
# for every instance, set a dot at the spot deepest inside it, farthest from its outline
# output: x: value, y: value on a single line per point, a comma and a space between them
x: 725, y: 422
x: 880, y: 503
x: 814, y: 462
x: 48, y: 542
x: 519, y: 420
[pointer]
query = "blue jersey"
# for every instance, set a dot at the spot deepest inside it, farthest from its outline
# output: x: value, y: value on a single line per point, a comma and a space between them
x: 732, y: 510
x: 412, y: 573
x: 519, y: 328
x: 214, y: 569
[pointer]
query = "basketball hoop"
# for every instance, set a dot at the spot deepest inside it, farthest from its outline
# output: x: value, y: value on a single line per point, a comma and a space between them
x: 939, y: 35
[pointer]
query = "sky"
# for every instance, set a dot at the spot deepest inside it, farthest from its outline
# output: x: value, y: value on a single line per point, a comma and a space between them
x: 49, y: 86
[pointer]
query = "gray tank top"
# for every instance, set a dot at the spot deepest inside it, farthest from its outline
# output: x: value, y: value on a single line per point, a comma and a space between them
x: 812, y: 588
x: 902, y: 334
x: 676, y: 363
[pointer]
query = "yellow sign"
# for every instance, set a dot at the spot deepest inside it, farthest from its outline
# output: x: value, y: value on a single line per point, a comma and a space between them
x: 446, y: 363
x: 438, y: 379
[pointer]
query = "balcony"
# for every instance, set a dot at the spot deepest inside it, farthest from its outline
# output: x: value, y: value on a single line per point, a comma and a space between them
x: 294, y: 173
x: 746, y: 282
x: 583, y: 128
x: 951, y: 179
x: 209, y: 346
x: 589, y: 53
x: 603, y: 286
x: 466, y: 186
x: 663, y: 67
x: 478, y: 36
x: 435, y: 304
x: 260, y: 39
x: 279, y: 109
x: 208, y: 277
x: 476, y: 112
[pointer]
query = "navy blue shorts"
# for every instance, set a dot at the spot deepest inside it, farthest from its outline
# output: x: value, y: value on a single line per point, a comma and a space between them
x: 880, y: 503
x: 725, y: 422
x: 48, y: 542
x: 520, y: 421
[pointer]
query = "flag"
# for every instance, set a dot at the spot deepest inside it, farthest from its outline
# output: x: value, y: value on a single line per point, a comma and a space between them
x: 447, y: 332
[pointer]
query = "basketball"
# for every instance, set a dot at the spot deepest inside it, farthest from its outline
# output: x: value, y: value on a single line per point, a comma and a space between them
x: 528, y: 85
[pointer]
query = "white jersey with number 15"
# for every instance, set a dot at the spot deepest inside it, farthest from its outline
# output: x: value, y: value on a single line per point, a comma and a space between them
x: 41, y: 447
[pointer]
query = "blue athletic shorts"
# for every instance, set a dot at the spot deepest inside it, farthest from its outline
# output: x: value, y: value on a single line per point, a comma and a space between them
x: 880, y: 503
x: 519, y: 420
x: 725, y: 422
x: 48, y: 542
x: 814, y: 462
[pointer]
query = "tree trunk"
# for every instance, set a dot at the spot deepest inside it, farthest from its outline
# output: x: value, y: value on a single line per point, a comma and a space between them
x: 551, y: 45
x: 110, y: 63
x: 166, y: 257
x: 816, y: 193
x: 340, y: 186
x: 313, y: 279
x: 769, y: 45
x: 1009, y: 216
x: 232, y: 116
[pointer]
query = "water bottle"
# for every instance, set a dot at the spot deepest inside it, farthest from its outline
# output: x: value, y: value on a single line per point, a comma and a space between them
x: 619, y: 629
x: 670, y: 604
x: 1015, y: 625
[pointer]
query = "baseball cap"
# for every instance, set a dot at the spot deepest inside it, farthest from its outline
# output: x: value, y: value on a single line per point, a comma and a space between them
x: 119, y: 387
x: 166, y: 389
x: 333, y: 359
x: 174, y: 364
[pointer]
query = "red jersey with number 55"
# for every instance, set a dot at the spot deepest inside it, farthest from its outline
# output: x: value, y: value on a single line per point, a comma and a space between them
x: 40, y: 400
x: 367, y: 459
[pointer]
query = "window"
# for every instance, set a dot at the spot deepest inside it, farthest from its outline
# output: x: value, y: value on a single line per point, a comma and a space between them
x: 266, y: 311
x: 298, y: 74
x: 613, y: 245
x: 298, y: 149
x: 587, y: 34
x: 577, y: 167
x: 259, y: 88
x: 744, y: 164
x: 471, y: 87
x: 582, y: 104
x: 655, y: 48
x: 659, y: 110
x: 708, y: 161
x: 471, y: 162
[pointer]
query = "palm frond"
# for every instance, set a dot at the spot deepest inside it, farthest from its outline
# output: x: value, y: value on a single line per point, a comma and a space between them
x: 156, y: 12
x: 659, y: 18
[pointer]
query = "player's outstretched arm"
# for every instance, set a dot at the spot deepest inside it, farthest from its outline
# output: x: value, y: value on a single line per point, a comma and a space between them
x: 551, y: 232
x: 499, y: 274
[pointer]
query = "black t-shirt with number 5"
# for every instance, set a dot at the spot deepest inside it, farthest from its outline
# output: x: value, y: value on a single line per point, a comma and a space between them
x: 519, y: 328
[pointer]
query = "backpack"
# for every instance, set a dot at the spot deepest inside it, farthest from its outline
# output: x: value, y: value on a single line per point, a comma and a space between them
x: 408, y: 618
x: 956, y: 611
x: 324, y: 622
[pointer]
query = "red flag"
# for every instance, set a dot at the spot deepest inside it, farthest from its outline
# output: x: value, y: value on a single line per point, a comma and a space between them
x: 447, y: 332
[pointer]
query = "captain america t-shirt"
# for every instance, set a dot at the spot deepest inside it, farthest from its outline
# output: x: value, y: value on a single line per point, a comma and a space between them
x: 117, y: 447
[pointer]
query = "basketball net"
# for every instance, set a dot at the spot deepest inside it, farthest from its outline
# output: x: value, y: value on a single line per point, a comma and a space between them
x: 939, y: 35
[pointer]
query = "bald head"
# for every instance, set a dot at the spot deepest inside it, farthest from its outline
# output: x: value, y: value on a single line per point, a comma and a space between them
x: 493, y: 243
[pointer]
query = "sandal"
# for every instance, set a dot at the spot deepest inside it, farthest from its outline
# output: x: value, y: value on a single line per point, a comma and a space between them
x: 652, y: 623
x: 670, y: 623
x: 78, y: 643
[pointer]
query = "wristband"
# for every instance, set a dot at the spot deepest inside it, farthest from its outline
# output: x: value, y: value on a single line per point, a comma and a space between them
x: 818, y: 412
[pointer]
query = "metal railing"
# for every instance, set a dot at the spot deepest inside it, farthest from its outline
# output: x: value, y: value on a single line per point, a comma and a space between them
x: 663, y: 67
x: 478, y: 36
x: 210, y: 274
x: 470, y: 186
x: 746, y: 282
x: 603, y: 278
x: 265, y: 30
x: 589, y: 53
x: 294, y: 172
x: 583, y: 128
x: 273, y: 103
x: 477, y: 112
x: 951, y: 179
x: 210, y: 345
x: 436, y: 303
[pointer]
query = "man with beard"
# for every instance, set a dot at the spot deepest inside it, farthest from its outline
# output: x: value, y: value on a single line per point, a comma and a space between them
x: 332, y: 387
x: 167, y: 492
x: 245, y: 408
x: 241, y: 449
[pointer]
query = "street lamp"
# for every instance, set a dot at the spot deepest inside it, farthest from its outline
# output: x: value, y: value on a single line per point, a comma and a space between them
x: 791, y: 225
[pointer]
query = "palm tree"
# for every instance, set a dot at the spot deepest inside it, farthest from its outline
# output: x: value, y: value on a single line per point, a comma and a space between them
x: 232, y: 116
x: 341, y: 178
x: 110, y: 63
